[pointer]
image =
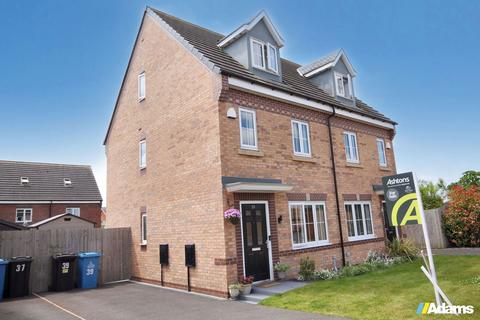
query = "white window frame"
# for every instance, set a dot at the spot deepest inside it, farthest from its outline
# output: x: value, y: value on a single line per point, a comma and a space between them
x: 316, y: 243
x: 143, y: 221
x: 262, y: 45
x: 382, y: 164
x: 242, y: 145
x: 356, y: 237
x: 144, y: 143
x: 272, y: 68
x: 23, y: 220
x: 349, y: 153
x: 302, y: 152
x: 24, y: 180
x: 350, y: 90
x: 72, y: 211
x: 141, y: 77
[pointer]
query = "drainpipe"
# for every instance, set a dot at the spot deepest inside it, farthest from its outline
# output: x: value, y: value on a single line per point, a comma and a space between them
x: 50, y: 209
x: 334, y: 171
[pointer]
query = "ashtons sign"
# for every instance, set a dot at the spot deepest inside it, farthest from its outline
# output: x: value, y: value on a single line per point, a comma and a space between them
x: 431, y: 308
x: 401, y: 199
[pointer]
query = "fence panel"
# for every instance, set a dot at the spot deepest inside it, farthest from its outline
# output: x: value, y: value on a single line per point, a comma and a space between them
x: 114, y: 244
x: 435, y: 231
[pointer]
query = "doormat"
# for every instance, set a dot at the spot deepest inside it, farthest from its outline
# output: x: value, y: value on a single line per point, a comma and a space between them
x: 268, y: 284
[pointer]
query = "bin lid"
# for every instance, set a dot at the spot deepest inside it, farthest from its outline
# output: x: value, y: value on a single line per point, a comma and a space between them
x: 64, y: 255
x: 3, y: 261
x: 89, y: 254
x: 24, y: 258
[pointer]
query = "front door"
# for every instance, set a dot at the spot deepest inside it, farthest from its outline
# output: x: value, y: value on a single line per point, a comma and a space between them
x: 390, y: 231
x: 255, y: 241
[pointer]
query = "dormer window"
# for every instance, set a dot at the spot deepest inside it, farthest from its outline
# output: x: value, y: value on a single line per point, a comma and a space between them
x: 272, y: 58
x: 67, y: 182
x: 343, y: 85
x: 264, y: 56
x: 24, y: 181
x: 258, y: 56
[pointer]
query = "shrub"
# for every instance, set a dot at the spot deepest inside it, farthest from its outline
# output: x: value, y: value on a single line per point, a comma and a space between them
x: 307, y: 269
x: 461, y: 221
x: 325, y: 274
x: 431, y: 194
x: 402, y: 248
x: 281, y: 267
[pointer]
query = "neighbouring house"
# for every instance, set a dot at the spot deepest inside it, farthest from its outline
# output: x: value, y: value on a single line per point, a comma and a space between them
x: 63, y: 221
x: 205, y: 122
x: 31, y: 192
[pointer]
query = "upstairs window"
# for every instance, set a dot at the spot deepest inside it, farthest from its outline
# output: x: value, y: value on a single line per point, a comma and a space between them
x: 24, y: 181
x: 258, y: 54
x: 67, y: 182
x: 359, y: 220
x: 141, y: 86
x: 343, y: 85
x: 23, y: 215
x: 248, y: 129
x: 301, y: 138
x: 73, y: 211
x: 272, y: 58
x: 382, y: 158
x: 351, y: 150
x: 142, y: 150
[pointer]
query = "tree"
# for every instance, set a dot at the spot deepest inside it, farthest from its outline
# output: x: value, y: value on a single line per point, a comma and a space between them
x: 468, y: 179
x: 432, y: 194
x: 461, y: 220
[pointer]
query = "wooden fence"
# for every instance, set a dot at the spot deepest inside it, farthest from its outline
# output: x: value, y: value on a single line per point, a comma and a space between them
x: 435, y: 230
x: 114, y: 244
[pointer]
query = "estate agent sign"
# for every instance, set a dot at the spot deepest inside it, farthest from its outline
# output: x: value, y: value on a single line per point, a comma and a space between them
x: 401, y: 199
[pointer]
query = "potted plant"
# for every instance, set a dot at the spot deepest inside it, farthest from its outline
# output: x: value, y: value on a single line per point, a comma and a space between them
x: 282, y: 269
x: 234, y: 290
x: 232, y: 215
x: 246, y: 285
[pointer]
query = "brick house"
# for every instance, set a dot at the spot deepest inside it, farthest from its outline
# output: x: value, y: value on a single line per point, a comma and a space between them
x: 204, y: 122
x: 31, y: 192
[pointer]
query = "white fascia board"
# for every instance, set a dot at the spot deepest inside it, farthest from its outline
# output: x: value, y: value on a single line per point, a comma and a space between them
x: 315, y: 71
x: 44, y: 202
x: 347, y: 63
x: 257, y: 187
x: 282, y: 96
x: 176, y: 36
x: 247, y: 27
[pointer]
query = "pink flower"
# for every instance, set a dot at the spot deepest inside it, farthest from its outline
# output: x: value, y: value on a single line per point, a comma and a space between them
x: 231, y: 213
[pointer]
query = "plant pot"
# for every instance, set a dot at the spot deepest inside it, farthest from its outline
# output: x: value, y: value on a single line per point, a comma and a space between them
x: 282, y: 275
x: 246, y: 288
x: 234, y: 293
x: 234, y: 221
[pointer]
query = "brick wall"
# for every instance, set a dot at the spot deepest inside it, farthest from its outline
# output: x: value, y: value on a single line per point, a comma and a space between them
x: 311, y: 178
x: 180, y: 189
x: 41, y: 211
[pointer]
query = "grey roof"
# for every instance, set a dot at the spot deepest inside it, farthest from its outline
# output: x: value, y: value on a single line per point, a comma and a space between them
x: 7, y: 225
x: 320, y: 62
x: 227, y: 180
x: 46, y: 182
x: 205, y: 41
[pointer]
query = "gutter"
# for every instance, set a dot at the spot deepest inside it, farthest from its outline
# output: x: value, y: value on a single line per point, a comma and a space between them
x: 335, y: 183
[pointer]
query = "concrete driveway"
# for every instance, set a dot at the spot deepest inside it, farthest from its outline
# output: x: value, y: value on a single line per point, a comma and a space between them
x: 130, y: 300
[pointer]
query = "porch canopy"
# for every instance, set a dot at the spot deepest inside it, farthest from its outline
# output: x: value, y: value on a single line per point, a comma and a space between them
x: 254, y: 185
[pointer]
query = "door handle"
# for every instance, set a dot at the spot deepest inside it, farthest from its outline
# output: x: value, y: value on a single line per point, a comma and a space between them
x: 256, y: 249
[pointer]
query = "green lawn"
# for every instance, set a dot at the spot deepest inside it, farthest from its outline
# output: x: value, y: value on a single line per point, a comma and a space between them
x: 392, y: 293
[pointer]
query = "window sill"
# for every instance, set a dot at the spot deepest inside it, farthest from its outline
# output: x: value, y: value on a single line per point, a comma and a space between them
x: 250, y: 152
x: 311, y: 245
x: 353, y: 239
x: 304, y: 159
x: 143, y: 244
x: 385, y: 168
x: 141, y: 99
x: 353, y: 165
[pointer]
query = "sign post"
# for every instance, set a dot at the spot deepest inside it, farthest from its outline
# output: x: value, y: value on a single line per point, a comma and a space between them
x: 405, y: 207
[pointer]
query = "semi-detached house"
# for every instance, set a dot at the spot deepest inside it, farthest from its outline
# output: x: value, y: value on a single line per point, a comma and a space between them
x: 206, y: 122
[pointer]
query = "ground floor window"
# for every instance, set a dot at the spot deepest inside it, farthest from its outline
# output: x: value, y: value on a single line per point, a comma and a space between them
x: 359, y: 220
x: 309, y: 224
x: 73, y: 211
x: 23, y: 215
x: 143, y: 229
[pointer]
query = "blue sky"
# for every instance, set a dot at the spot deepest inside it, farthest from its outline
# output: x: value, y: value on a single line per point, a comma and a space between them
x: 62, y: 62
